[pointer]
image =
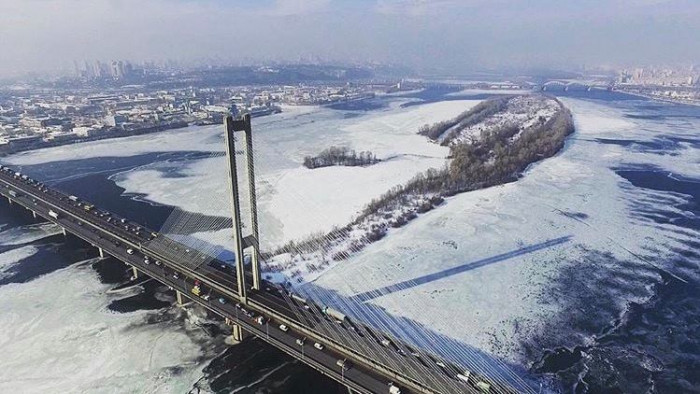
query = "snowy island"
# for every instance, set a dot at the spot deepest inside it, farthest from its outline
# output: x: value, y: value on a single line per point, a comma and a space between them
x: 491, y: 144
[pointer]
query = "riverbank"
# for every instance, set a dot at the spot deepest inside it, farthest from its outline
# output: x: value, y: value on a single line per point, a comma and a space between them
x: 118, y: 132
x: 670, y: 100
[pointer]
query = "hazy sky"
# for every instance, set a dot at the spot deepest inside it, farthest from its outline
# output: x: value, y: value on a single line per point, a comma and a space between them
x: 454, y: 35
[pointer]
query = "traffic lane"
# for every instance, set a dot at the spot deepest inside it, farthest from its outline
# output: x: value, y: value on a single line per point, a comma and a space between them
x: 271, y: 330
x: 182, y: 284
x: 64, y: 203
x: 84, y: 216
x: 351, y: 339
x: 327, y: 358
x: 81, y: 214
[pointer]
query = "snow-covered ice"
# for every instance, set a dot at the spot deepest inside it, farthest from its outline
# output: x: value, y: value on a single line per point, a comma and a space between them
x: 10, y: 258
x: 574, y: 199
x: 26, y: 234
x: 57, y: 336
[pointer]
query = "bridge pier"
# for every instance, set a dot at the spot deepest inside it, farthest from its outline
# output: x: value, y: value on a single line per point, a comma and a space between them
x: 179, y: 298
x: 63, y: 229
x: 135, y: 272
x: 237, y: 333
x: 34, y: 214
x: 102, y: 253
x: 250, y: 242
x: 232, y: 126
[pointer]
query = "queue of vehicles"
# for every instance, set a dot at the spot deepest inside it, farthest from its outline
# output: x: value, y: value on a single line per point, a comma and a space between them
x: 198, y: 289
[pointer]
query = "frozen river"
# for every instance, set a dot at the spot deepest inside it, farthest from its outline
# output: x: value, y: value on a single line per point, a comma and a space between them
x: 570, y: 273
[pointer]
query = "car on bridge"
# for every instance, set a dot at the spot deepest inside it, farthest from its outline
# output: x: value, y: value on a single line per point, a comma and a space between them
x: 393, y: 389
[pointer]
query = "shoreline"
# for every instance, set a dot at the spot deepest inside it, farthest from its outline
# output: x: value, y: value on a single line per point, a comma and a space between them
x: 661, y: 99
x: 116, y: 134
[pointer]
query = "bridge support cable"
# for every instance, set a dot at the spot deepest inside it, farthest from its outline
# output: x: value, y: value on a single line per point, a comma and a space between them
x: 434, y: 375
x: 341, y: 335
x: 253, y: 203
x: 462, y: 355
x: 390, y: 360
x: 381, y: 353
x: 427, y: 339
x: 486, y: 365
x: 486, y: 368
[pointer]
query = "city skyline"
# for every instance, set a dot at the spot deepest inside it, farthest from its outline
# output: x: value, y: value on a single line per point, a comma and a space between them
x: 47, y: 36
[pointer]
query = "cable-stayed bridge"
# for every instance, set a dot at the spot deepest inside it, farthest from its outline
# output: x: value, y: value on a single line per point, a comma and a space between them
x: 366, y: 350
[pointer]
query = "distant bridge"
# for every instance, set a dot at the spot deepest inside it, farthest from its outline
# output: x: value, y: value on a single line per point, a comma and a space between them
x: 575, y: 84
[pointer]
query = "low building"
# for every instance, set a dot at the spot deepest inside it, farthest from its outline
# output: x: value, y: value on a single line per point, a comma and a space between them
x: 116, y: 120
x: 60, y: 137
x: 85, y: 131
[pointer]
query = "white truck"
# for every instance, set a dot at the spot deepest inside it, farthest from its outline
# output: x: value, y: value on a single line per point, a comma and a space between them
x: 484, y: 387
x: 464, y: 376
x: 53, y: 214
x: 332, y: 313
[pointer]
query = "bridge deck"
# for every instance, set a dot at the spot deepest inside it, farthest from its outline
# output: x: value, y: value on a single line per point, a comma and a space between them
x: 373, y: 365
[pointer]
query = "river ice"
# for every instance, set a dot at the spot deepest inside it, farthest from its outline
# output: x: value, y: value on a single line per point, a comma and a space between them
x: 486, y: 267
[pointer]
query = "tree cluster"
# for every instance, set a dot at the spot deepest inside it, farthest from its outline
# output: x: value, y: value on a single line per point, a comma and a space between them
x: 340, y: 156
x: 491, y: 160
x: 477, y: 114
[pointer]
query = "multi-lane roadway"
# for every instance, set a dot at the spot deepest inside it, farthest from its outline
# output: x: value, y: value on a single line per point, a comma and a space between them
x: 358, y: 356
